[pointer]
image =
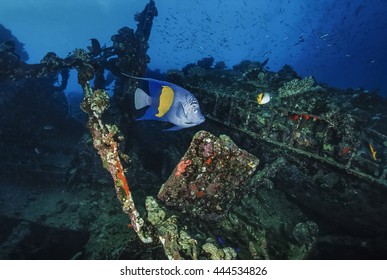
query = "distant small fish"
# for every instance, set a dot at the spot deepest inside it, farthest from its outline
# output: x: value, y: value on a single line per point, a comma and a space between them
x: 266, y: 53
x: 223, y: 244
x: 169, y: 103
x: 220, y: 240
x: 265, y: 62
x: 323, y: 36
x: 372, y: 61
x: 48, y: 127
x: 263, y: 98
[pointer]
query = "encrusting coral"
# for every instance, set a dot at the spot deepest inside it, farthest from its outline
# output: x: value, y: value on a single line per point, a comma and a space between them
x: 209, y: 177
x: 95, y: 102
x: 295, y: 87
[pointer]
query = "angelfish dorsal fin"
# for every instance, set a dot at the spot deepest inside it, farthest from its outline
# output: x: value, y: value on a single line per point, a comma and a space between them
x: 166, y: 99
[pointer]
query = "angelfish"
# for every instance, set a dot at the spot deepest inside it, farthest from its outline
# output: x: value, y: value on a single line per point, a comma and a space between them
x: 169, y: 103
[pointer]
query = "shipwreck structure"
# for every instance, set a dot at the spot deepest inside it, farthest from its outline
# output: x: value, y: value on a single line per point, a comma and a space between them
x: 302, y: 176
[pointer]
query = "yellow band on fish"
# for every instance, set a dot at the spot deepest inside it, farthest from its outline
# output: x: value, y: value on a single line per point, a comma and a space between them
x: 373, y: 152
x: 259, y: 98
x: 166, y: 100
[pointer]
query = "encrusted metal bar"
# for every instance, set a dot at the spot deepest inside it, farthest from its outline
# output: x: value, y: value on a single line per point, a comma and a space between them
x: 95, y: 102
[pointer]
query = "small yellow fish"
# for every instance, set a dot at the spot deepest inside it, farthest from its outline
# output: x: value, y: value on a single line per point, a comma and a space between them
x: 373, y: 152
x: 263, y: 98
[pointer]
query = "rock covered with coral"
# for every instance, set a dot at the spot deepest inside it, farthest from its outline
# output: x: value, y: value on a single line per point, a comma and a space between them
x: 216, y: 253
x: 296, y: 86
x: 210, y: 176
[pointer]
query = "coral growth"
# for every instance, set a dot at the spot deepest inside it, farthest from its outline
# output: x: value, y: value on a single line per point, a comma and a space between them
x: 182, y: 167
x: 205, y: 63
x: 178, y: 244
x: 219, y: 254
x: 295, y: 87
x: 216, y: 176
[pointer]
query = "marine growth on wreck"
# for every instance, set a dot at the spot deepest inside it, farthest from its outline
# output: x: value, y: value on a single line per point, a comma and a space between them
x: 283, y: 167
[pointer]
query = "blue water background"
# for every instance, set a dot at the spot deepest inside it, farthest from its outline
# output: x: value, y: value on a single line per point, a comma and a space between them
x: 341, y: 43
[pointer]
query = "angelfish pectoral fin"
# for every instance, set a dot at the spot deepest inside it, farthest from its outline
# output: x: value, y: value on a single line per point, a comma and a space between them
x: 180, y: 113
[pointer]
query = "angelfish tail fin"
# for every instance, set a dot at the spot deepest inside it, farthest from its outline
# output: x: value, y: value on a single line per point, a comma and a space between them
x: 141, y: 99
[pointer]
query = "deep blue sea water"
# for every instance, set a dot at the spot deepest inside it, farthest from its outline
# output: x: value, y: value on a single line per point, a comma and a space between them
x: 341, y: 43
